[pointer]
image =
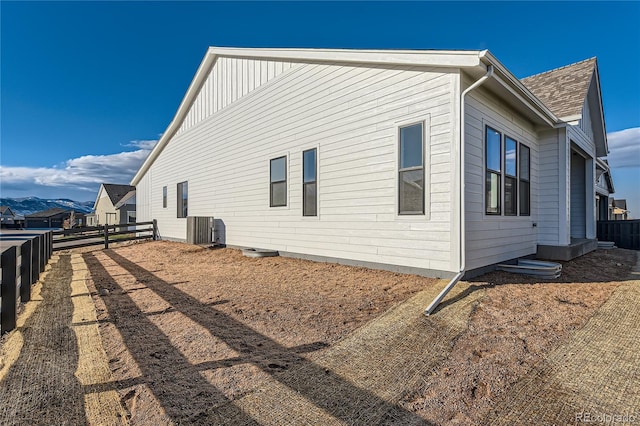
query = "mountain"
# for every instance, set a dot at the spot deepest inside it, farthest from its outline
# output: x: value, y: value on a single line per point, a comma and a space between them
x: 29, y: 205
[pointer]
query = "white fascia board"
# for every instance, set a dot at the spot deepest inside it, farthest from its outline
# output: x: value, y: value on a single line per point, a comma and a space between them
x: 439, y: 58
x: 183, y: 109
x: 515, y: 86
x: 95, y: 204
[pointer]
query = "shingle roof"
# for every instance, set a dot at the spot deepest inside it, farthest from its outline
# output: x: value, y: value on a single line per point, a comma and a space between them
x: 116, y: 192
x: 563, y: 90
x: 4, y: 209
x: 622, y: 204
x: 48, y: 213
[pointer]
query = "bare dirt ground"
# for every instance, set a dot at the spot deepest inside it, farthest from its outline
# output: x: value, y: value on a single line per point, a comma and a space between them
x: 197, y: 336
x: 518, y: 321
x: 201, y: 325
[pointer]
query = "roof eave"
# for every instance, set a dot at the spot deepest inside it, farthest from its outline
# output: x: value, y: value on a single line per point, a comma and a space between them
x: 513, y: 84
x: 435, y: 58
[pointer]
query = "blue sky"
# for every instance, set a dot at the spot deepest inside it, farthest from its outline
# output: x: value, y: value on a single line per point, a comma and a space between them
x: 87, y: 87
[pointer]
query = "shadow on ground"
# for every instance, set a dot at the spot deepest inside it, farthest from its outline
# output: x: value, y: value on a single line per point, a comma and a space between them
x: 164, y: 369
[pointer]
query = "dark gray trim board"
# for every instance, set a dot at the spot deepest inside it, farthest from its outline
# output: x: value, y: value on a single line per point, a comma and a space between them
x: 573, y: 250
x: 424, y: 272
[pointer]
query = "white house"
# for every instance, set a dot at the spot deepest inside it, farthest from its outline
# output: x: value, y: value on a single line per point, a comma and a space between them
x: 354, y: 156
x: 114, y: 205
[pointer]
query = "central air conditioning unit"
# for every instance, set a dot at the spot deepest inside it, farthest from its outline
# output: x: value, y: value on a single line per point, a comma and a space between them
x: 199, y: 230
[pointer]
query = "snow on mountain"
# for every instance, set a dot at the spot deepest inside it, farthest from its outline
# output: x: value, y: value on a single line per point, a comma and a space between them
x: 29, y: 205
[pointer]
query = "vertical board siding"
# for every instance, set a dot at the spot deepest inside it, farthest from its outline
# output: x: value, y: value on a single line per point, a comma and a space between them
x: 578, y: 206
x: 585, y: 123
x: 492, y: 239
x: 351, y: 115
x: 229, y: 80
x: 549, y: 189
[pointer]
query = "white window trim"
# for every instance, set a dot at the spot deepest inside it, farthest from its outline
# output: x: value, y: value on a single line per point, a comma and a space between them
x: 409, y: 120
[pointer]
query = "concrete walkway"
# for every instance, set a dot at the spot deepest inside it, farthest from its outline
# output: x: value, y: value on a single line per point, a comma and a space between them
x: 593, y: 378
x: 53, y: 368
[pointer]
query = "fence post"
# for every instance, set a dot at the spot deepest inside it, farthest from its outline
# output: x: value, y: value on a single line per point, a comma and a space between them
x: 155, y: 229
x: 26, y: 272
x: 106, y: 236
x: 8, y: 289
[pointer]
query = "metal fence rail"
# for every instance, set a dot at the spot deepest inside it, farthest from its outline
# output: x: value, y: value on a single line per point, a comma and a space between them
x: 625, y: 233
x: 98, y: 235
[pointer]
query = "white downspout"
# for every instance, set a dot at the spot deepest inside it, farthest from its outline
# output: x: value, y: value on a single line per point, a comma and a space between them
x: 461, y: 198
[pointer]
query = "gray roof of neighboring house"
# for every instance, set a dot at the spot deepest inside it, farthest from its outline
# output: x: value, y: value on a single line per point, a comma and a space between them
x: 117, y: 192
x: 3, y: 209
x: 563, y: 90
x: 621, y: 204
x: 48, y: 213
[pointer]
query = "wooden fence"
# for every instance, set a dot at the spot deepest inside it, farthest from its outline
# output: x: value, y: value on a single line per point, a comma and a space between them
x: 625, y: 233
x: 24, y: 255
x: 98, y: 235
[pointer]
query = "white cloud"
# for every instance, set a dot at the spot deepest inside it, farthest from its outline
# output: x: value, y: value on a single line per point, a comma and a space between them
x: 84, y: 173
x: 624, y: 148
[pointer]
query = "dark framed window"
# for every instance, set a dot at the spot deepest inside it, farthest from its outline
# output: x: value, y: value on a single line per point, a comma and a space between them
x: 309, y: 182
x: 183, y: 199
x: 278, y: 182
x: 411, y: 170
x: 493, y: 157
x: 510, y: 177
x: 164, y: 197
x: 525, y: 180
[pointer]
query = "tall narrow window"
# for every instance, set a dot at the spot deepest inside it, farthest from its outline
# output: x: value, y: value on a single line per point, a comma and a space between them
x: 309, y: 183
x: 525, y: 185
x: 278, y: 186
x: 493, y: 156
x: 164, y: 197
x: 510, y: 177
x: 183, y: 197
x: 411, y: 170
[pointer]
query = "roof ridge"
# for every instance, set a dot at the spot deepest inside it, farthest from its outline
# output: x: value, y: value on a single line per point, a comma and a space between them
x: 560, y: 68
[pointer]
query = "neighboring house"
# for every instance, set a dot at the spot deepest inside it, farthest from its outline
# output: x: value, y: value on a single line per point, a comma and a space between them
x: 604, y: 188
x: 53, y: 218
x: 619, y: 210
x: 354, y: 156
x: 7, y: 217
x: 115, y: 205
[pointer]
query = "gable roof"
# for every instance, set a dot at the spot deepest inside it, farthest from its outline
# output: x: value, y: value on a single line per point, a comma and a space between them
x: 48, y: 213
x: 473, y: 61
x: 116, y: 192
x: 621, y: 204
x: 4, y: 209
x: 563, y: 89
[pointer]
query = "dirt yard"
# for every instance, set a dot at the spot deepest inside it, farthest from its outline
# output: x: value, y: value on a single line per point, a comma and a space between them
x: 198, y: 336
x: 200, y: 325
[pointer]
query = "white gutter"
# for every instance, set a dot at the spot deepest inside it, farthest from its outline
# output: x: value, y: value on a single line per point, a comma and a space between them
x: 461, y: 198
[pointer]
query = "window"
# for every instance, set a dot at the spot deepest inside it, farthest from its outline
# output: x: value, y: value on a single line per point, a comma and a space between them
x: 525, y: 185
x: 131, y: 217
x: 164, y: 197
x: 183, y: 198
x: 493, y: 154
x: 516, y: 175
x: 411, y: 170
x: 309, y: 183
x: 278, y: 179
x: 510, y: 177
